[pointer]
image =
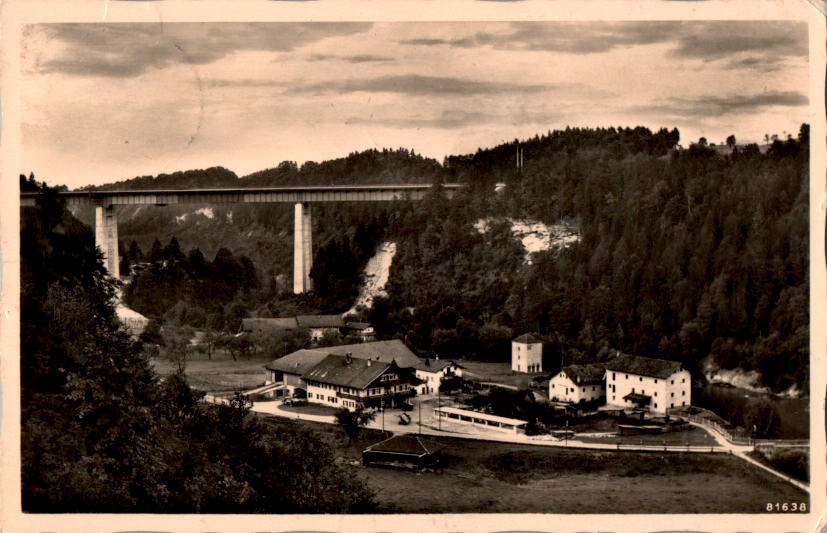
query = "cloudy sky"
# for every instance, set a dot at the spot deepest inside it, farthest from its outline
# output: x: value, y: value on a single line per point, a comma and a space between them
x: 103, y: 102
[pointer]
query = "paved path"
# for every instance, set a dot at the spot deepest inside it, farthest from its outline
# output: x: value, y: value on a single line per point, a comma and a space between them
x: 430, y: 426
x: 742, y: 451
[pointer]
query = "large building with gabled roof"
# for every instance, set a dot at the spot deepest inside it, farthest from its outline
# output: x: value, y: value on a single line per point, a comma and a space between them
x: 345, y: 381
x: 287, y: 373
x: 648, y: 384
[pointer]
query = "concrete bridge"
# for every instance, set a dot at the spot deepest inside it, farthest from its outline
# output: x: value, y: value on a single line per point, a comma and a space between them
x: 106, y: 222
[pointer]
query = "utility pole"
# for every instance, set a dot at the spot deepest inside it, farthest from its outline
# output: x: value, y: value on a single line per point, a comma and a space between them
x: 382, y: 406
x: 420, y: 415
x: 439, y: 403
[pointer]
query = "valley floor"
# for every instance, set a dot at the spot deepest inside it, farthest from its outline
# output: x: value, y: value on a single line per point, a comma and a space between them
x: 483, y: 477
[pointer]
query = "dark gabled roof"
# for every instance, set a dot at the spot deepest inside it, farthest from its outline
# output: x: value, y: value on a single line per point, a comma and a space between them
x: 406, y: 444
x: 384, y: 351
x: 297, y: 362
x: 643, y: 366
x: 336, y: 370
x: 253, y: 324
x: 320, y: 321
x: 527, y: 338
x: 585, y: 374
x: 434, y: 365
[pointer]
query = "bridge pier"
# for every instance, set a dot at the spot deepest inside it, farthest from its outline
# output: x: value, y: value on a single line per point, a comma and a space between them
x: 106, y: 238
x: 302, y: 248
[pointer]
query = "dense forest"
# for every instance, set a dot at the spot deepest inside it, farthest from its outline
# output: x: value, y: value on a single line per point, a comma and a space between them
x: 696, y: 253
x: 684, y: 254
x: 102, y: 433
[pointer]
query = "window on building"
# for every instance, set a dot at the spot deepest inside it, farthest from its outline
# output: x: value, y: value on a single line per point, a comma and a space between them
x: 633, y: 390
x: 613, y: 376
x: 673, y: 395
x: 683, y: 403
x: 656, y: 406
x: 613, y: 397
x: 656, y: 394
x: 584, y: 389
x: 673, y: 382
x: 683, y: 393
x: 673, y: 405
x: 683, y: 380
x: 656, y: 381
x: 641, y: 379
x: 627, y: 376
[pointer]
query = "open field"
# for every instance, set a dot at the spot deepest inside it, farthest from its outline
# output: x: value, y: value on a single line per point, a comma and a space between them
x: 219, y: 374
x: 692, y: 437
x: 481, y: 476
x: 497, y: 372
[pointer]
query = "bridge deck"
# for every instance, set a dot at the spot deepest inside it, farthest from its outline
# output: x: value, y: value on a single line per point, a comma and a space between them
x: 290, y: 194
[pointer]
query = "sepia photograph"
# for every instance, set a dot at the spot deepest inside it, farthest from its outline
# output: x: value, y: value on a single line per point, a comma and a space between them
x: 335, y: 267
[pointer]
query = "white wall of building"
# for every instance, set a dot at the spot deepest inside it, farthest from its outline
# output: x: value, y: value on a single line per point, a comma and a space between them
x: 432, y: 380
x: 526, y: 357
x: 561, y: 388
x: 674, y: 391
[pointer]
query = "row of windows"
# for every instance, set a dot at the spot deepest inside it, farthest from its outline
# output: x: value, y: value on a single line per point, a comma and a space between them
x: 331, y: 399
x: 642, y: 391
x: 572, y: 389
x: 336, y: 388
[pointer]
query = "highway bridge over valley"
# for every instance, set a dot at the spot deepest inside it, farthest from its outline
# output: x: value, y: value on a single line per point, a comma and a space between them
x: 106, y: 202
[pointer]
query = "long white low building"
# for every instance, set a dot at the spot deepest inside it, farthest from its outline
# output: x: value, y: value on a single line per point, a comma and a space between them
x: 465, y: 416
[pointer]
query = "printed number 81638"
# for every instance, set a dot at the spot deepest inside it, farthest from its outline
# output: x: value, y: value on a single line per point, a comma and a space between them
x: 787, y: 507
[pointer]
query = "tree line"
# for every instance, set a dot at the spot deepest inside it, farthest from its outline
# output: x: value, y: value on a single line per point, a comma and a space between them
x: 685, y: 254
x: 697, y: 253
x: 102, y: 433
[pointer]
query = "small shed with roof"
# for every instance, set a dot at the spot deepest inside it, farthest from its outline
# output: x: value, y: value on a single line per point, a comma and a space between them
x: 409, y: 451
x: 527, y: 354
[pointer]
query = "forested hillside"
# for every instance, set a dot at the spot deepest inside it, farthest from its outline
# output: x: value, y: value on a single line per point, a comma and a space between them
x: 101, y: 432
x: 697, y: 254
x: 684, y: 254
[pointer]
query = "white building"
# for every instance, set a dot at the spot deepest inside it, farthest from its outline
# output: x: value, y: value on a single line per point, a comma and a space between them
x: 345, y: 381
x: 652, y: 384
x: 578, y: 384
x: 526, y: 354
x: 432, y: 372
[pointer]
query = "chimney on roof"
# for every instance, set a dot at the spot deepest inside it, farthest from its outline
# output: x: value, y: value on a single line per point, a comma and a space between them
x: 427, y: 362
x: 369, y: 361
x: 348, y: 358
